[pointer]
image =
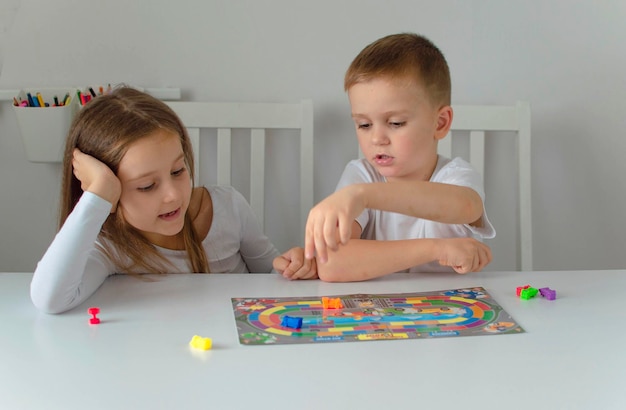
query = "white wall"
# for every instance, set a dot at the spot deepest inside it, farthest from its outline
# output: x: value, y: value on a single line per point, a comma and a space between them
x: 568, y: 59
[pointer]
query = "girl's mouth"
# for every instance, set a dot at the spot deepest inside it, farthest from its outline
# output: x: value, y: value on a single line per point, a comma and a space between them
x: 170, y: 215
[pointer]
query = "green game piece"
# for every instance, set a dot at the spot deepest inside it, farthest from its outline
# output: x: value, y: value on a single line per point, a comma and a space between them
x: 528, y: 293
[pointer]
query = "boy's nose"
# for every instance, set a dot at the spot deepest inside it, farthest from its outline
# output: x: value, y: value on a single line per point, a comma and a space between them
x: 379, y: 136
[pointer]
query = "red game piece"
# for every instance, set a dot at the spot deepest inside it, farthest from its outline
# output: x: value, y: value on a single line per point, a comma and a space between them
x: 518, y: 290
x: 93, y: 311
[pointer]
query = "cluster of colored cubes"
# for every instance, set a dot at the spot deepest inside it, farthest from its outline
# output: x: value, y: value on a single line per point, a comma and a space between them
x: 527, y: 292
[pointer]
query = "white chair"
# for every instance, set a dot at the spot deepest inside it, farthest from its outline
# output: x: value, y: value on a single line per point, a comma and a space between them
x: 256, y: 117
x: 479, y: 119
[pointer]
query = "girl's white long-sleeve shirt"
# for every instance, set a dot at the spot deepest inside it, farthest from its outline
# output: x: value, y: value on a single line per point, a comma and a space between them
x: 74, y: 267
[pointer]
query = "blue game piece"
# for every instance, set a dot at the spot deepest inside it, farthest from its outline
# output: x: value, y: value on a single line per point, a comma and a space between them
x: 291, y: 322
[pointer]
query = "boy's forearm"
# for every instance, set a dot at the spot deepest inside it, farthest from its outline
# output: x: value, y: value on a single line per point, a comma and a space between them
x: 361, y: 259
x: 434, y: 201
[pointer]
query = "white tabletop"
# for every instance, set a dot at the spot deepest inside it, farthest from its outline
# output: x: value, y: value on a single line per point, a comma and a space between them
x: 572, y: 356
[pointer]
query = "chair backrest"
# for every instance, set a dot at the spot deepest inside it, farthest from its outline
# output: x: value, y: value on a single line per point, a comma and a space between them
x: 479, y: 119
x: 257, y: 118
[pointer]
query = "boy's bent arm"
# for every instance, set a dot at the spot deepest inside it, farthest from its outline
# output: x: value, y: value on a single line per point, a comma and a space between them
x: 362, y: 259
x: 434, y: 201
x: 330, y: 221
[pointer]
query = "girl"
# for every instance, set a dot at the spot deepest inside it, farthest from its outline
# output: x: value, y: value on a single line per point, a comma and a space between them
x: 128, y: 205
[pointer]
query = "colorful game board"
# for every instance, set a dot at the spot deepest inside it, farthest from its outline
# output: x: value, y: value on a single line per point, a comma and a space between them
x: 446, y: 313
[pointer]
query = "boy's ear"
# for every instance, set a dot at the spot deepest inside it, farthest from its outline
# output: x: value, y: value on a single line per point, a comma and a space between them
x: 444, y: 121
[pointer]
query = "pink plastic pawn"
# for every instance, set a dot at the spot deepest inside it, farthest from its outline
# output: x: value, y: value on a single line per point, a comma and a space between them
x: 93, y: 311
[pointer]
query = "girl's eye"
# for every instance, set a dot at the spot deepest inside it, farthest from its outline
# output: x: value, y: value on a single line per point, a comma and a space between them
x: 145, y: 188
x: 179, y: 171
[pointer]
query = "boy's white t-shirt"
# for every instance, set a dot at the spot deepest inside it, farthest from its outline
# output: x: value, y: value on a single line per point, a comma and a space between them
x: 74, y: 266
x: 383, y: 225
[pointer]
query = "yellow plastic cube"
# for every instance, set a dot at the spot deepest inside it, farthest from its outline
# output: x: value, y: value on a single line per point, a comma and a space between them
x: 202, y: 343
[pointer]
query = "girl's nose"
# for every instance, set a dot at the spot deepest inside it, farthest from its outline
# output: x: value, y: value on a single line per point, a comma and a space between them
x: 170, y: 192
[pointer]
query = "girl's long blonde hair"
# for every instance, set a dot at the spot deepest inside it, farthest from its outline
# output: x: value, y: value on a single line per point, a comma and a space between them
x: 104, y: 128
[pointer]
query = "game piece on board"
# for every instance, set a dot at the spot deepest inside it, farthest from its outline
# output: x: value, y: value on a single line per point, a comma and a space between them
x: 325, y: 300
x: 93, y: 311
x: 335, y: 303
x: 548, y: 293
x: 202, y: 343
x: 518, y: 290
x: 528, y: 293
x: 331, y: 303
x: 291, y: 322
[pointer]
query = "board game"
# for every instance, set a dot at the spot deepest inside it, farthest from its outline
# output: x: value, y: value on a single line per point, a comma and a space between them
x: 367, y: 317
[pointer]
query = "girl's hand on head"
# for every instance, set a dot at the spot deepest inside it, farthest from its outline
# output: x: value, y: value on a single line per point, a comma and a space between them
x: 330, y: 222
x: 464, y: 254
x: 96, y: 177
x: 293, y: 265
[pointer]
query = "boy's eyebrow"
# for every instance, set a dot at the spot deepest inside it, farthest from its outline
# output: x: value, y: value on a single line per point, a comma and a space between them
x: 386, y: 113
x: 145, y: 174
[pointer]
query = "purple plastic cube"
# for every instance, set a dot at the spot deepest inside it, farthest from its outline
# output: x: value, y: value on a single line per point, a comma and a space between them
x: 548, y: 293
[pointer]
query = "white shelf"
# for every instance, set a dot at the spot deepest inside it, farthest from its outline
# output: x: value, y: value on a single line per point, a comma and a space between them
x: 44, y: 131
x: 167, y: 94
x: 7, y: 95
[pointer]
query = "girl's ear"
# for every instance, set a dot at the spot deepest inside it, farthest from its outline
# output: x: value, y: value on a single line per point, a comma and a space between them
x: 444, y: 121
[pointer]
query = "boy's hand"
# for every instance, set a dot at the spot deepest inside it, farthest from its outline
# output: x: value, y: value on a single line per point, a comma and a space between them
x: 464, y: 254
x: 331, y: 219
x: 96, y: 177
x: 293, y: 265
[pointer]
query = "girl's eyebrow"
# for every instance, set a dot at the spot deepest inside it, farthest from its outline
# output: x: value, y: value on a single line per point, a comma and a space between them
x: 146, y: 174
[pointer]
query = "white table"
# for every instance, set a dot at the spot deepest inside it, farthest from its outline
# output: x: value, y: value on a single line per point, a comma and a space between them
x: 572, y: 356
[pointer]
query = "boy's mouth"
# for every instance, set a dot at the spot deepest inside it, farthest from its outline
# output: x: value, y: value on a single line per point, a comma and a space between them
x: 383, y: 159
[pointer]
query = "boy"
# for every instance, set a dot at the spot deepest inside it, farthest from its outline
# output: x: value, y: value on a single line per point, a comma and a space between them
x: 402, y: 207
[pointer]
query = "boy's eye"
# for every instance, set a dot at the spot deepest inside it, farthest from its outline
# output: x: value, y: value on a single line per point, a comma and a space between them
x: 397, y: 123
x: 364, y: 126
x: 145, y: 188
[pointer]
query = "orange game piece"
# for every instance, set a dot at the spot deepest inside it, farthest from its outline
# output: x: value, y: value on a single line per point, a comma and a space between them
x: 331, y: 303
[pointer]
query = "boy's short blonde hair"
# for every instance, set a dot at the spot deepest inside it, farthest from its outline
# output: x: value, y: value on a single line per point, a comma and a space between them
x: 404, y: 56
